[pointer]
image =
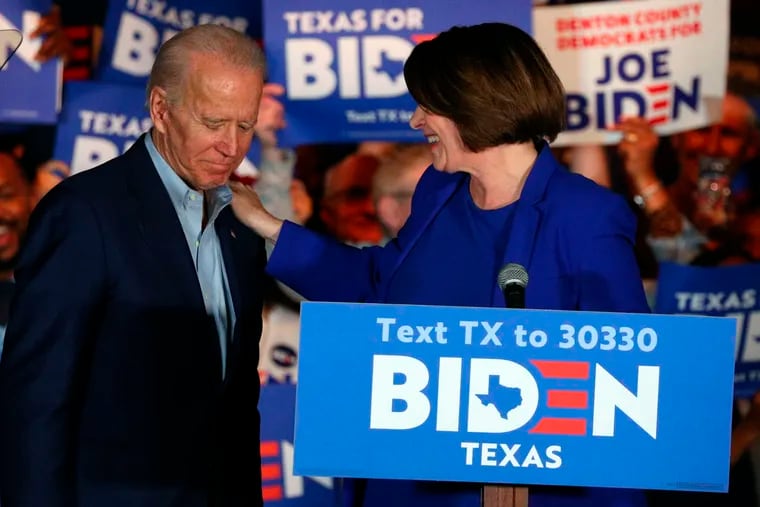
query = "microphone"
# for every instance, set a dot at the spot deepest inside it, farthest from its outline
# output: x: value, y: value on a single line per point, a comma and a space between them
x: 512, y: 281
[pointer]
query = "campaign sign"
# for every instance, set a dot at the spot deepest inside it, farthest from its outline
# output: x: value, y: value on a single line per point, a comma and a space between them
x: 280, y: 487
x: 663, y: 60
x: 489, y: 395
x: 135, y: 29
x: 31, y: 91
x: 341, y: 61
x: 730, y: 291
x: 100, y: 121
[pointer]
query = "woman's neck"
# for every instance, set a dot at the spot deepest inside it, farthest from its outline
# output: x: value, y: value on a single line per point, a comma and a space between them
x: 499, y: 173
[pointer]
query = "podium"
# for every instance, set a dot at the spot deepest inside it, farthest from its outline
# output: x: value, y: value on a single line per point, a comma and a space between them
x: 506, y: 397
x: 505, y: 496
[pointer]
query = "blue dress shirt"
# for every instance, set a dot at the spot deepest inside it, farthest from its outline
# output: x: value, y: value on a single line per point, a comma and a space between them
x: 203, y: 243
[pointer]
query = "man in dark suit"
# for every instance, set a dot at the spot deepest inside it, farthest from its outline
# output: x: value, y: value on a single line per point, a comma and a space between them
x: 129, y: 370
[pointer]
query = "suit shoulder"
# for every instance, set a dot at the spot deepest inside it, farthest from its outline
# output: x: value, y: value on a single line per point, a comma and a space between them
x: 99, y: 178
x: 98, y: 186
x: 581, y: 195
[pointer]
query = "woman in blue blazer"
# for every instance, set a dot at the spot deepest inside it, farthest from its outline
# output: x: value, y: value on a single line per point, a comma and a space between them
x: 488, y: 104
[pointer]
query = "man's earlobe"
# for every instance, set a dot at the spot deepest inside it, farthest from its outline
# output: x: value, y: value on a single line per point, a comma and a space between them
x: 158, y: 107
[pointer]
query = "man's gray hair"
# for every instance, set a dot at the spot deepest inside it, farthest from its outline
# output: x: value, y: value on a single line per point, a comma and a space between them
x: 228, y: 45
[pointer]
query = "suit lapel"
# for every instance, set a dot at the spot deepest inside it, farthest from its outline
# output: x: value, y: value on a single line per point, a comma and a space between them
x: 527, y: 218
x: 160, y: 226
x: 226, y: 228
x: 236, y: 253
x: 436, y: 200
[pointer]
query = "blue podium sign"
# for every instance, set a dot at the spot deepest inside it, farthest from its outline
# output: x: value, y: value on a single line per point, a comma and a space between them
x: 493, y: 395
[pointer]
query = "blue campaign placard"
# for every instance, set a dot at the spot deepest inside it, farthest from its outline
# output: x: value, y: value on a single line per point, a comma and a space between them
x: 31, y: 91
x: 341, y: 61
x: 135, y: 29
x: 280, y: 486
x: 100, y: 121
x: 730, y: 291
x: 489, y: 395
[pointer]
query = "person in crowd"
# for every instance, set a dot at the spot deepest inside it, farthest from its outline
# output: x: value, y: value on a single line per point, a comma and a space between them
x: 54, y: 43
x: 129, y: 370
x: 394, y: 183
x: 16, y: 203
x: 687, y: 216
x: 488, y: 104
x: 282, y: 195
x: 346, y: 207
x: 20, y: 189
x: 681, y: 228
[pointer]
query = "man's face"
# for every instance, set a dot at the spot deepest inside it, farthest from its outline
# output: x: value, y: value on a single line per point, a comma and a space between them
x: 347, y: 208
x: 207, y: 133
x: 732, y: 138
x: 15, y: 208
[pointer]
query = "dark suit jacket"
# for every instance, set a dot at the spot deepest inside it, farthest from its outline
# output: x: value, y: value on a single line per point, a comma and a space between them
x: 111, y: 391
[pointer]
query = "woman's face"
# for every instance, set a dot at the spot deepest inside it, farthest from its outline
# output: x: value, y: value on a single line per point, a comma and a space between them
x: 443, y: 137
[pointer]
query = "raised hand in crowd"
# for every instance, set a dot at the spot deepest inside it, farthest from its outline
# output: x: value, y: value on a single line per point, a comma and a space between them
x: 280, y: 194
x: 637, y: 147
x: 271, y: 116
x: 56, y: 43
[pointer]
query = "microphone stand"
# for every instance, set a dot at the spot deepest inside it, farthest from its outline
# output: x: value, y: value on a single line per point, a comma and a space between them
x: 501, y: 495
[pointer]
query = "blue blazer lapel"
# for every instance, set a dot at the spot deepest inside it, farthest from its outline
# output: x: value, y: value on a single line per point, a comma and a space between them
x: 227, y: 230
x: 160, y: 226
x: 435, y: 201
x: 527, y: 217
